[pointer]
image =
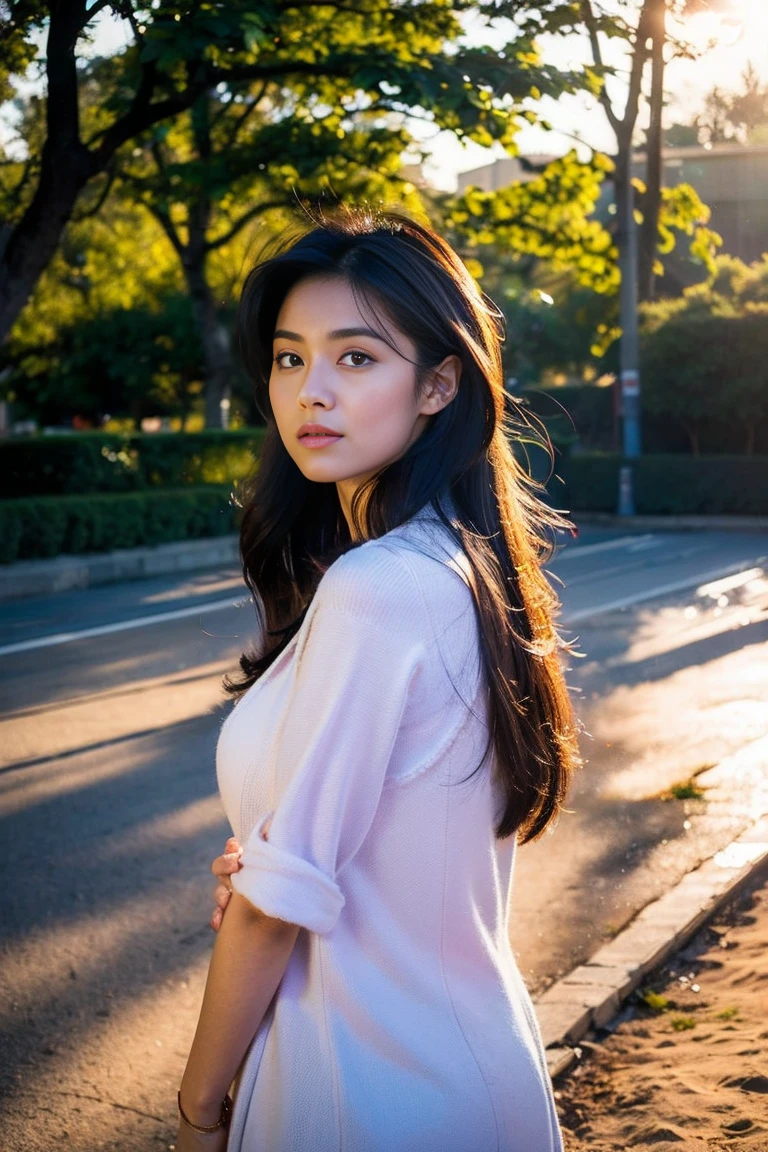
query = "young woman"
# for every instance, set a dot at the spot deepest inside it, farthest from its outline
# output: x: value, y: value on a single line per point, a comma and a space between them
x: 403, y: 725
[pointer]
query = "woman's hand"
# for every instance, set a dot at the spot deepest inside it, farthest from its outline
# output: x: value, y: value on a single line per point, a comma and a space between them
x: 223, y: 867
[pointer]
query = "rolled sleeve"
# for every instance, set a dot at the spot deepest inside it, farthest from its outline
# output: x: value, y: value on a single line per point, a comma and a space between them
x: 286, y: 886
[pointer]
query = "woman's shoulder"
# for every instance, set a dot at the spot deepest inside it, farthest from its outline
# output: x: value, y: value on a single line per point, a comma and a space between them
x: 394, y: 577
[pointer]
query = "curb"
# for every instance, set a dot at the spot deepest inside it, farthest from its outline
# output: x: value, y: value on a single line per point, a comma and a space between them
x: 29, y: 578
x: 64, y: 573
x: 591, y: 995
x: 691, y: 523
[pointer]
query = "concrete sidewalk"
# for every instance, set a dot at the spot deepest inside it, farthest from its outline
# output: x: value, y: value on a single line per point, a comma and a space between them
x: 29, y: 578
x: 64, y: 573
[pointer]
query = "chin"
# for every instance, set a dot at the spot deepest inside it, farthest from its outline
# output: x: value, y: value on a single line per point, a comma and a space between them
x: 321, y: 473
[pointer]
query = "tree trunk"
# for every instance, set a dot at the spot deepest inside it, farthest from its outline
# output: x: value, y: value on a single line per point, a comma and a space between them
x: 217, y: 351
x: 30, y: 246
x: 657, y: 13
x: 66, y: 165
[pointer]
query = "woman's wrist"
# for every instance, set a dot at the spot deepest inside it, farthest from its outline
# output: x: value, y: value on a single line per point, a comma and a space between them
x: 201, y: 1110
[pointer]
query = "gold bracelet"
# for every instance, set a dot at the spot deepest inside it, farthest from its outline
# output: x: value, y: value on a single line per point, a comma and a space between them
x: 222, y: 1122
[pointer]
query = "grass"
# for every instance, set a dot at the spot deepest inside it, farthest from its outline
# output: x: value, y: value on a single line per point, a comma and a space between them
x: 686, y: 790
x: 654, y: 1000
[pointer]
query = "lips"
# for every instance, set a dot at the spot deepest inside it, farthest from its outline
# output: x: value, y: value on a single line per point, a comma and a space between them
x: 316, y: 430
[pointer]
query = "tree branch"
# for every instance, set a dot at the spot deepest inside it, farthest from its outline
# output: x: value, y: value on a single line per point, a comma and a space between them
x: 245, y: 218
x: 588, y: 16
x: 240, y: 122
x: 94, y: 10
x: 101, y: 199
x: 164, y: 220
x: 639, y: 57
x: 143, y: 113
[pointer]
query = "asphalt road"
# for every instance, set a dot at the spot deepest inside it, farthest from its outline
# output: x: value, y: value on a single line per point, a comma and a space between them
x: 110, y: 817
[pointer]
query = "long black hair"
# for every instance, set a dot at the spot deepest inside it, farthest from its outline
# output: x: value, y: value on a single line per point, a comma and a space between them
x: 293, y: 528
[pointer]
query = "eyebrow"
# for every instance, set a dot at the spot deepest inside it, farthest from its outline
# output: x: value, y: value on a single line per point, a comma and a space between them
x: 337, y: 334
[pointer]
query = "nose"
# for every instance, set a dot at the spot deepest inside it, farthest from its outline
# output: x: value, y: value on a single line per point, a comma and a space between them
x: 316, y: 387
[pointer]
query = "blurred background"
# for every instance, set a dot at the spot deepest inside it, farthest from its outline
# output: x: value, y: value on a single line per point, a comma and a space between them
x: 602, y: 168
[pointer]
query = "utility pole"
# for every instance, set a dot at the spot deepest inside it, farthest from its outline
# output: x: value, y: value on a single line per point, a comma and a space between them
x: 626, y: 231
x: 629, y: 357
x: 629, y: 376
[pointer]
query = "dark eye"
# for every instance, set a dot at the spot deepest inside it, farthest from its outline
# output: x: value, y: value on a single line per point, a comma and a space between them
x: 296, y: 358
x: 362, y: 358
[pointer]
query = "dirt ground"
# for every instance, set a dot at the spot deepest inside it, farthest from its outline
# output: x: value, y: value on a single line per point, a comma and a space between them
x: 686, y: 1064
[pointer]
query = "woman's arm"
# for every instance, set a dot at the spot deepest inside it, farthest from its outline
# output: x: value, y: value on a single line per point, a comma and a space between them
x: 249, y: 958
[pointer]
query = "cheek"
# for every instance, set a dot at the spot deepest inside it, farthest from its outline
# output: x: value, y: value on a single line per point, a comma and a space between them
x: 387, y: 413
x: 279, y: 401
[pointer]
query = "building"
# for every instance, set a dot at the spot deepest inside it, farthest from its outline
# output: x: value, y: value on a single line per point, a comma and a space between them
x: 502, y: 172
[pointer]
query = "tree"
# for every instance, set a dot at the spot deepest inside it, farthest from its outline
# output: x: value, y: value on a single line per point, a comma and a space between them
x: 705, y: 355
x: 404, y: 57
x: 682, y: 135
x: 642, y: 27
x: 727, y: 117
x: 748, y: 110
x: 123, y: 362
x: 109, y: 328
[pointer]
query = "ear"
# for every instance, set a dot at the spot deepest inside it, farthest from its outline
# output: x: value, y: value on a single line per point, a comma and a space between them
x: 442, y: 386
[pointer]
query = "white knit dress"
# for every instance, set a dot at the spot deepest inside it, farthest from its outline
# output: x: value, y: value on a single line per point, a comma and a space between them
x: 402, y: 1023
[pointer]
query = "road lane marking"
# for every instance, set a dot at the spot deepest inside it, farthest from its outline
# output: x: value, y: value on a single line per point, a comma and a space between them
x: 119, y: 626
x: 730, y: 583
x: 575, y: 551
x: 218, y: 605
x: 653, y: 593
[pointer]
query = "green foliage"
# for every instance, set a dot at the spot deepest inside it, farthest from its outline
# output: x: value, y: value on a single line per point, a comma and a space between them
x: 670, y: 484
x: 682, y: 1023
x: 316, y: 65
x: 122, y: 362
x: 549, y: 217
x: 705, y: 356
x: 573, y: 413
x: 95, y: 462
x: 654, y: 1000
x: 687, y: 790
x: 33, y: 528
x: 683, y: 211
x: 219, y: 117
x: 246, y: 109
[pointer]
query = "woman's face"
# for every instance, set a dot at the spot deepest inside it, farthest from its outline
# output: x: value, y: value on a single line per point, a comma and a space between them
x: 331, y: 369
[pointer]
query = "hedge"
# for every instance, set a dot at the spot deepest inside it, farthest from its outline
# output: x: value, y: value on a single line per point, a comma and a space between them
x: 42, y: 526
x: 583, y: 413
x: 88, y: 462
x: 703, y: 485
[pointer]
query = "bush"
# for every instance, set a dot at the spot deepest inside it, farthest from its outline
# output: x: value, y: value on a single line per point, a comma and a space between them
x: 707, y: 369
x: 36, y: 527
x: 574, y: 412
x: 675, y: 485
x: 91, y: 462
